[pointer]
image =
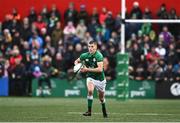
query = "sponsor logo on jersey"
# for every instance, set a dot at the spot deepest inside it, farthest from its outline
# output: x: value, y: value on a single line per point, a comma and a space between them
x: 94, y: 59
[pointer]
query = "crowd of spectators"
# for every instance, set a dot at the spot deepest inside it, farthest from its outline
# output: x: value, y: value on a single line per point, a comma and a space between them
x: 154, y: 51
x: 41, y: 46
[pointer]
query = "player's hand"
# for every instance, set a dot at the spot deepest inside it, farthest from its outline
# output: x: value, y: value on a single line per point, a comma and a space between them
x: 84, y: 69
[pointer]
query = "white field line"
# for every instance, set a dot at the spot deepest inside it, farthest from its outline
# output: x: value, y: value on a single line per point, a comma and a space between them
x: 140, y: 114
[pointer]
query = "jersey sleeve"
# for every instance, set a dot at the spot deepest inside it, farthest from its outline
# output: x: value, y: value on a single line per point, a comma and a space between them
x: 99, y: 58
x: 83, y: 56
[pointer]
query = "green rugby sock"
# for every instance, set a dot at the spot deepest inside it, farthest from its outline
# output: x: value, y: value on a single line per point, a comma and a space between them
x: 90, y: 101
x: 103, y: 105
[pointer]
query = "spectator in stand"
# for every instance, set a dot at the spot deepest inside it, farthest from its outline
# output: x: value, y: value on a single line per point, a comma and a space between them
x: 132, y: 27
x: 106, y: 33
x: 147, y: 13
x: 111, y: 57
x: 36, y: 42
x: 78, y: 50
x: 169, y: 74
x: 48, y: 49
x: 115, y: 39
x: 15, y: 26
x: 55, y: 11
x: 45, y: 72
x: 83, y: 14
x: 70, y: 14
x: 131, y: 40
x: 25, y: 29
x: 81, y: 29
x: 52, y: 22
x: 171, y: 57
x: 159, y: 73
x: 43, y: 33
x: 35, y: 68
x: 69, y: 32
x: 147, y: 39
x: 140, y: 72
x: 109, y: 21
x: 17, y: 74
x: 136, y: 11
x: 61, y: 47
x: 95, y: 15
x: 4, y: 65
x: 176, y: 67
x: 162, y: 12
x: 87, y: 38
x: 166, y: 36
x: 152, y: 60
x: 173, y: 27
x: 161, y: 51
x: 7, y: 38
x: 146, y: 28
x: 99, y: 36
x: 32, y: 15
x: 39, y: 23
x: 92, y: 28
x: 117, y: 22
x: 177, y: 76
x: 45, y: 14
x: 34, y: 54
x: 177, y: 47
x: 106, y: 68
x: 16, y: 39
x: 6, y: 24
x: 69, y: 59
x: 57, y: 34
x: 140, y: 40
x: 152, y: 56
x: 103, y: 15
x: 15, y: 56
x: 146, y: 49
x: 25, y: 51
x: 104, y: 50
x: 58, y: 62
x: 15, y: 15
x: 27, y: 64
x: 136, y: 54
x: 172, y: 14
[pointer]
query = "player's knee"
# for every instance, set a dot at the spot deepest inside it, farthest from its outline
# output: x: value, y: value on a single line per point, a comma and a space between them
x: 101, y: 99
x: 90, y: 93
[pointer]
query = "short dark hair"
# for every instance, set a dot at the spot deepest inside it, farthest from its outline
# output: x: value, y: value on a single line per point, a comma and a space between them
x: 93, y: 42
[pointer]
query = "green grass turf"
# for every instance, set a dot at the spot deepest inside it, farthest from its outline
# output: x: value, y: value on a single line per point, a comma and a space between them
x: 71, y: 109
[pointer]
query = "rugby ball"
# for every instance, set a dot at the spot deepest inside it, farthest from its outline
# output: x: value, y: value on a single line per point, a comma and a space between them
x: 77, y: 67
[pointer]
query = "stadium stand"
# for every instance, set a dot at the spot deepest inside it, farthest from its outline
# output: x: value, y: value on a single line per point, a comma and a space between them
x: 25, y: 41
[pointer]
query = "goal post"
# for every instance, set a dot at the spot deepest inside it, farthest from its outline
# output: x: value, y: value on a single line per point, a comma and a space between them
x: 122, y: 84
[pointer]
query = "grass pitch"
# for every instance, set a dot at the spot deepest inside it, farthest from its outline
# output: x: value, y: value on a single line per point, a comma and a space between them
x: 71, y: 109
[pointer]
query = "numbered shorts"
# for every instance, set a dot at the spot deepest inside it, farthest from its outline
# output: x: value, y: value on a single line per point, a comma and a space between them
x: 99, y: 85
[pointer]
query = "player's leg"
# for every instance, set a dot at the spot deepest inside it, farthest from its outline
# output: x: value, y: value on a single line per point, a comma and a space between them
x: 102, y: 100
x: 90, y: 87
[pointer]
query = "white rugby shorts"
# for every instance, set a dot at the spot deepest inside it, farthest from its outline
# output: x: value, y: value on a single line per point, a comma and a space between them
x: 99, y: 85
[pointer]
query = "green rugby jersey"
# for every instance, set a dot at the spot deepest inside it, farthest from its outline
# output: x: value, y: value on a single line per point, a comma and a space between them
x: 90, y: 61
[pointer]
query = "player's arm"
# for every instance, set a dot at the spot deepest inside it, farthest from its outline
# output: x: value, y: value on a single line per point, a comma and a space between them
x: 98, y: 69
x: 81, y: 58
x: 77, y: 61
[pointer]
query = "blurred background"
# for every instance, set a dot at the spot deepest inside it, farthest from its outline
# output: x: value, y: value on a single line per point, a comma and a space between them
x: 39, y: 41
